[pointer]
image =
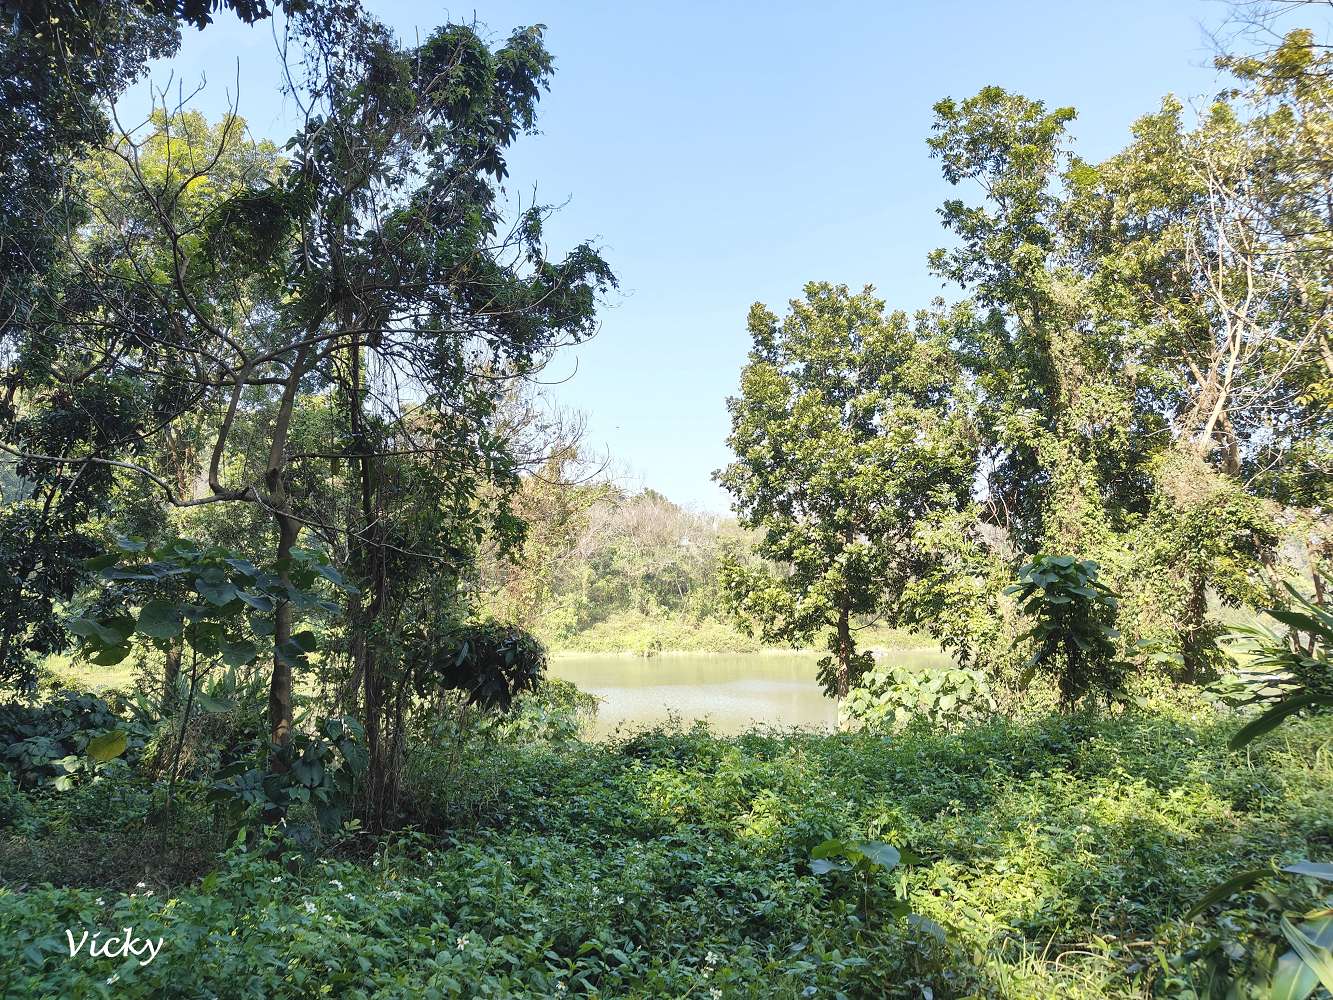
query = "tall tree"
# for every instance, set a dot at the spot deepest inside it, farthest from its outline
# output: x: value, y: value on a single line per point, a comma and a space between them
x: 846, y: 445
x: 375, y: 272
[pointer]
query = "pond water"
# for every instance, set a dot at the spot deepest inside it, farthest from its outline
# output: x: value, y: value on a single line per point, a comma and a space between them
x: 733, y: 692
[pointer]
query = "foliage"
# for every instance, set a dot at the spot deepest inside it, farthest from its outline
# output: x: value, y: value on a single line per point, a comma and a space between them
x: 207, y: 597
x: 1074, y: 627
x: 67, y: 739
x: 894, y: 692
x: 489, y: 662
x: 1300, y: 657
x: 844, y: 440
x: 1053, y: 856
x: 315, y: 769
x: 1271, y: 937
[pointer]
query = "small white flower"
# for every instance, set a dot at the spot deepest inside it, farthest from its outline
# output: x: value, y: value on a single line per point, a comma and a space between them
x: 309, y: 906
x: 560, y: 987
x: 276, y: 879
x: 715, y: 993
x: 461, y: 942
x: 375, y: 863
x: 328, y: 917
x: 140, y: 885
x: 710, y: 959
x: 114, y: 978
x: 351, y: 897
x: 101, y: 901
x: 620, y: 900
x: 335, y: 883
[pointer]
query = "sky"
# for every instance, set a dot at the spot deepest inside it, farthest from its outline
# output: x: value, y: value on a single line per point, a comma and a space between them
x: 725, y: 153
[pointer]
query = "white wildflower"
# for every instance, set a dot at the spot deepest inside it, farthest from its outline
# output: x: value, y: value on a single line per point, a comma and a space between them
x: 461, y: 942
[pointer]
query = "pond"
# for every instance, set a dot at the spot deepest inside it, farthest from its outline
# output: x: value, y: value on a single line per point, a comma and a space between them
x: 733, y: 692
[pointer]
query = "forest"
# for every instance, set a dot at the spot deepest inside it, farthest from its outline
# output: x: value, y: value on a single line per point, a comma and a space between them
x: 294, y: 526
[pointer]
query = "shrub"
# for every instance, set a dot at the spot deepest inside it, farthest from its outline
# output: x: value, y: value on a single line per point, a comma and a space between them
x: 1074, y: 627
x: 68, y: 737
x: 893, y: 693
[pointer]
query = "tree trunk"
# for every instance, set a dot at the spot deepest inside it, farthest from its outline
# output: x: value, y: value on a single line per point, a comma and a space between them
x: 289, y: 528
x: 280, y: 686
x: 844, y: 653
x: 171, y: 671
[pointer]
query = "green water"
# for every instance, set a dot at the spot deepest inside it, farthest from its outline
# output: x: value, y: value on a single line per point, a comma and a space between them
x: 733, y: 692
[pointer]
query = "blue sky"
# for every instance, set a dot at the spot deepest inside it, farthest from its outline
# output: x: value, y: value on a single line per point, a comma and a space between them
x: 726, y: 153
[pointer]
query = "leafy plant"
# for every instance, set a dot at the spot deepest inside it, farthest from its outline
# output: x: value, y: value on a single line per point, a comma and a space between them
x: 316, y: 769
x: 1275, y: 945
x: 861, y: 860
x: 1074, y: 626
x: 1298, y: 660
x: 489, y: 662
x: 894, y: 692
x: 68, y: 739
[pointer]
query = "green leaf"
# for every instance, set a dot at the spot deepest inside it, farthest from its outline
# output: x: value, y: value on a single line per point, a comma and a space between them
x: 1292, y: 979
x: 1271, y: 719
x: 1312, y: 869
x: 1320, y: 959
x: 109, y: 656
x: 216, y: 591
x: 238, y: 652
x: 160, y: 620
x: 1225, y: 889
x: 829, y: 848
x: 884, y: 855
x: 108, y: 746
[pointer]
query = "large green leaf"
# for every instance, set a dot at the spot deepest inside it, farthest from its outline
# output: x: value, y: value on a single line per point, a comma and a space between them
x: 216, y: 591
x: 1271, y: 719
x: 1312, y: 869
x: 238, y: 652
x: 1292, y: 979
x: 160, y: 620
x: 111, y: 631
x: 884, y: 855
x: 1318, y: 957
x: 109, y: 656
x: 1225, y: 889
x: 108, y: 746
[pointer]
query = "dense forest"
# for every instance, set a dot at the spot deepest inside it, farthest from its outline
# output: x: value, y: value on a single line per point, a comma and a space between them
x: 291, y: 527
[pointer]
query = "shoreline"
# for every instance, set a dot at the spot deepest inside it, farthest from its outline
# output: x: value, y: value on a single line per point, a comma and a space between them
x: 626, y: 654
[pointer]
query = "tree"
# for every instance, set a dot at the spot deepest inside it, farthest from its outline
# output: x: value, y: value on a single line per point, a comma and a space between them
x: 374, y: 273
x: 847, y: 444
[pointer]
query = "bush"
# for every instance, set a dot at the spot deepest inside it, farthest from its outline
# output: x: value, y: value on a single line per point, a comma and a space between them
x: 49, y: 744
x: 1074, y: 627
x: 893, y: 693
